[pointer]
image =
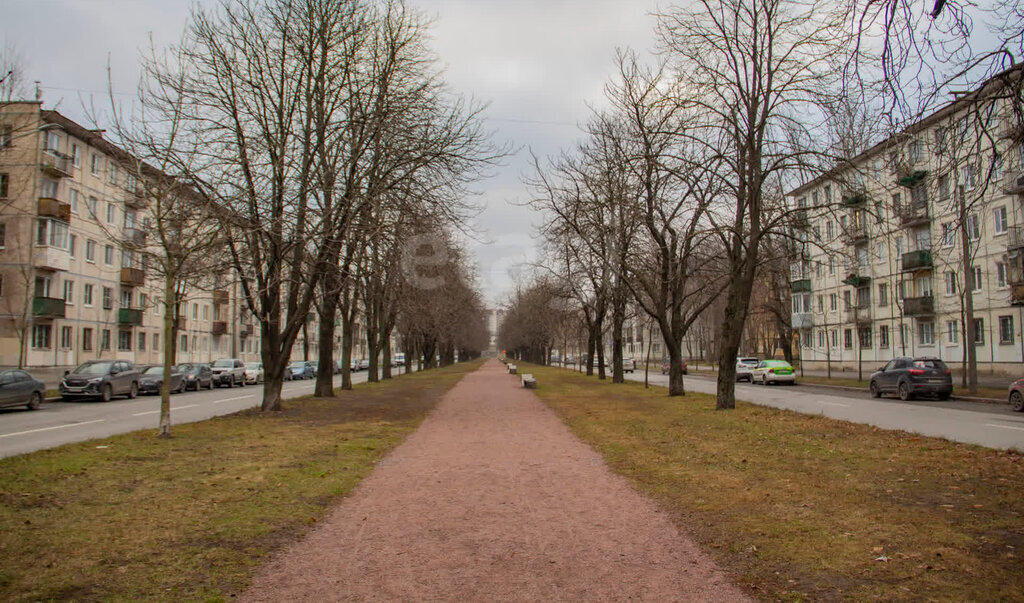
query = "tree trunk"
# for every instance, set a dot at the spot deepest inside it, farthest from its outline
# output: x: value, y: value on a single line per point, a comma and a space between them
x: 324, y: 387
x: 970, y: 353
x: 618, y: 318
x: 346, y: 351
x: 733, y: 319
x: 385, y: 339
x: 590, y: 352
x: 170, y: 294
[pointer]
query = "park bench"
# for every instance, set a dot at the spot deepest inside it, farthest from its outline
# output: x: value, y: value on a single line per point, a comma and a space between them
x: 511, y: 369
x: 529, y: 382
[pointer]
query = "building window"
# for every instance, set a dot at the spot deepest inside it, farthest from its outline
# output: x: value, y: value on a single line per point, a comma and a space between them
x: 69, y: 292
x: 108, y: 298
x: 947, y: 234
x: 883, y: 336
x: 206, y: 313
x: 821, y: 304
x: 979, y: 331
x: 835, y: 339
x: 124, y: 341
x: 105, y: 340
x: 156, y: 342
x: 111, y: 213
x: 926, y: 333
x: 6, y: 135
x: 113, y: 174
x: 142, y: 342
x: 808, y: 340
x: 973, y: 227
x: 919, y: 195
x: 184, y: 343
x: 1005, y: 329
x: 72, y: 244
x: 195, y: 343
x: 76, y: 155
x: 976, y: 278
x: 87, y: 295
x: 999, y: 219
x: 65, y: 338
x: 1000, y: 275
x: 821, y: 338
x: 952, y: 332
x: 969, y: 176
x: 3, y: 235
x: 126, y: 298
x: 4, y: 184
x: 944, y: 187
x: 52, y: 233
x: 87, y: 339
x: 833, y: 302
x: 848, y: 339
x: 93, y: 211
x: 864, y: 336
x: 95, y: 166
x: 883, y: 294
x: 949, y: 279
x: 41, y: 335
x: 195, y: 311
x: 108, y: 255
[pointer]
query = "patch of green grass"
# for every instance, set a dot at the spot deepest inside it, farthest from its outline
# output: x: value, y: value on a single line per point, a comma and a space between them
x: 805, y: 507
x: 136, y: 517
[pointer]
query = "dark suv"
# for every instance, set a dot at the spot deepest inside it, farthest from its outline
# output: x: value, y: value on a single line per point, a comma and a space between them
x: 101, y: 379
x: 908, y: 377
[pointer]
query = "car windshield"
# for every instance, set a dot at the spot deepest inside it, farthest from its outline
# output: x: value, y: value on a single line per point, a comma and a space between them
x: 154, y: 370
x: 254, y: 366
x: 223, y: 363
x: 94, y: 368
x: 930, y: 363
x: 186, y: 368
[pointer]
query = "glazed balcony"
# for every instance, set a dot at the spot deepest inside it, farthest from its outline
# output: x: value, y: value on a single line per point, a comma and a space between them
x: 858, y: 313
x: 919, y: 306
x: 1017, y: 294
x: 135, y: 237
x: 914, y: 261
x: 133, y: 277
x: 220, y: 296
x: 56, y: 164
x: 54, y: 208
x: 48, y: 307
x: 245, y: 331
x: 857, y: 232
x: 218, y: 328
x: 1015, y: 238
x: 854, y: 197
x: 1013, y: 182
x: 129, y: 317
x: 857, y: 280
x: 135, y: 199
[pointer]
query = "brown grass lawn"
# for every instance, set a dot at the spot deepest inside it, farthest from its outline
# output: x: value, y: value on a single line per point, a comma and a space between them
x: 189, y: 518
x: 808, y: 508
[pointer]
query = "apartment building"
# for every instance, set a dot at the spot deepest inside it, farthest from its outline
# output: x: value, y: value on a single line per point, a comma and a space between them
x: 71, y: 289
x: 881, y: 271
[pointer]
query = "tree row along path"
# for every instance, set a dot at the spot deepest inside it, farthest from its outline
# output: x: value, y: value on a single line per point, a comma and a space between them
x: 493, y: 498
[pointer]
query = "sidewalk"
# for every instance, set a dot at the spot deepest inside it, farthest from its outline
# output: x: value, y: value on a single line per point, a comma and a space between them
x: 492, y: 498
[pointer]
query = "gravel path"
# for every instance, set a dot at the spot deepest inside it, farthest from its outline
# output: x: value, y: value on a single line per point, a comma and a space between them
x: 493, y: 498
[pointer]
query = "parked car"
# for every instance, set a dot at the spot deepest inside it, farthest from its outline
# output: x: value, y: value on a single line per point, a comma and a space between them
x: 907, y: 377
x: 229, y: 372
x: 338, y: 365
x: 628, y: 365
x: 353, y: 365
x: 299, y: 369
x: 364, y: 364
x: 197, y: 375
x: 1017, y: 395
x: 773, y: 371
x: 254, y: 373
x: 152, y: 377
x: 667, y: 366
x: 745, y: 368
x: 18, y: 388
x: 101, y: 379
x: 398, y: 360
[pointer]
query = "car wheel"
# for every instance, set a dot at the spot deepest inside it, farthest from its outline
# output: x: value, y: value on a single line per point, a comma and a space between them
x: 181, y: 388
x: 764, y: 380
x: 875, y: 392
x: 133, y: 391
x: 106, y: 393
x: 211, y: 385
x: 1017, y: 402
x: 905, y: 393
x: 35, y: 401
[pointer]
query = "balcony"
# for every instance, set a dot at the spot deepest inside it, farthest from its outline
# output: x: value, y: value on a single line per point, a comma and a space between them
x: 245, y: 331
x: 914, y: 261
x: 854, y: 197
x: 857, y: 232
x: 860, y: 313
x: 910, y: 178
x: 179, y: 323
x: 52, y: 258
x: 800, y: 219
x: 135, y: 237
x: 802, y: 320
x: 1013, y: 183
x: 129, y: 317
x: 47, y: 307
x: 220, y: 296
x: 218, y: 328
x: 1017, y: 294
x: 857, y: 280
x: 135, y: 199
x: 133, y: 277
x: 912, y: 214
x: 919, y: 306
x: 53, y: 208
x: 56, y: 163
x: 800, y: 286
x: 1015, y: 238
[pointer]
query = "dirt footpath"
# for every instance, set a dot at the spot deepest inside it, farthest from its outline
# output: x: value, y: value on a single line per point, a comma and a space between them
x: 492, y: 498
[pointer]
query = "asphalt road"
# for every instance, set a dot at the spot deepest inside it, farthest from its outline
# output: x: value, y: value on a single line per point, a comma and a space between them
x: 989, y: 425
x: 61, y: 422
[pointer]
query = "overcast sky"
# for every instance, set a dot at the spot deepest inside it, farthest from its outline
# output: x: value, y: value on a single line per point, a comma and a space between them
x: 538, y: 63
